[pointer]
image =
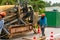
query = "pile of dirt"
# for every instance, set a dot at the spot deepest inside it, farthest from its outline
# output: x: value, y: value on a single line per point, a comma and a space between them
x: 5, y: 7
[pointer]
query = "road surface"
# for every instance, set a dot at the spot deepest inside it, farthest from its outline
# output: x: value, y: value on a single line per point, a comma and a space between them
x: 31, y: 34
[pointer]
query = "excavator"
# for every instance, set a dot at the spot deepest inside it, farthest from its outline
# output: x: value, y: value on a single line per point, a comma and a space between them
x: 19, y: 19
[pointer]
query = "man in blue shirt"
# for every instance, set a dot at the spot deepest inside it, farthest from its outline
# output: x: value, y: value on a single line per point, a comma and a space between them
x: 2, y: 14
x: 43, y: 23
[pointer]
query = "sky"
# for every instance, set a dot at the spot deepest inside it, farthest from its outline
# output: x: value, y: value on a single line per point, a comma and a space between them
x: 53, y: 1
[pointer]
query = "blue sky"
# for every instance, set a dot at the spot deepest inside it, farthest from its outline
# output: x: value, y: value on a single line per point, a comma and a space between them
x: 53, y: 1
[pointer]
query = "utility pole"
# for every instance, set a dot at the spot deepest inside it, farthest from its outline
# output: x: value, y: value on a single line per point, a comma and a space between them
x: 18, y: 6
x: 18, y: 1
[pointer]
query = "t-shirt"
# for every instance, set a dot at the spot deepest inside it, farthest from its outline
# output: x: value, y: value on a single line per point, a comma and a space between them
x: 43, y: 22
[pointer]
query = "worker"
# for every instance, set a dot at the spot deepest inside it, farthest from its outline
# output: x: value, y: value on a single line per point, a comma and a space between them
x: 2, y: 15
x: 43, y: 23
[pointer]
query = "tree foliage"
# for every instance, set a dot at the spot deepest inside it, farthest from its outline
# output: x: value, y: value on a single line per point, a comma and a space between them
x: 48, y: 4
x: 38, y: 5
x: 56, y: 4
x: 8, y: 1
x: 0, y: 1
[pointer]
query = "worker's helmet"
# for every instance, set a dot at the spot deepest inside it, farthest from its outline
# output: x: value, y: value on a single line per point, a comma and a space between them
x: 42, y: 14
x: 3, y: 14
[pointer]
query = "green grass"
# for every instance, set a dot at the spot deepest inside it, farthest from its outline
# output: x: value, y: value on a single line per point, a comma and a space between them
x: 36, y: 26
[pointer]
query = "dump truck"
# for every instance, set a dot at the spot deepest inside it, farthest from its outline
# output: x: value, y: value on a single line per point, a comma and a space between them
x: 19, y: 19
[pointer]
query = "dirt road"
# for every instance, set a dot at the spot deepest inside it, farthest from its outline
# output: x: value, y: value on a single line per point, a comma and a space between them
x: 30, y: 35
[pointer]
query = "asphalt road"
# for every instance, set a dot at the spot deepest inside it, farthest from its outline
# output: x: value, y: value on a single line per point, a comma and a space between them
x: 30, y: 35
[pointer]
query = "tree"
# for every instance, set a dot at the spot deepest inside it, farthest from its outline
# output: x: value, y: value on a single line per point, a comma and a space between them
x: 0, y: 1
x: 8, y: 1
x: 48, y: 4
x: 38, y: 5
x: 56, y: 4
